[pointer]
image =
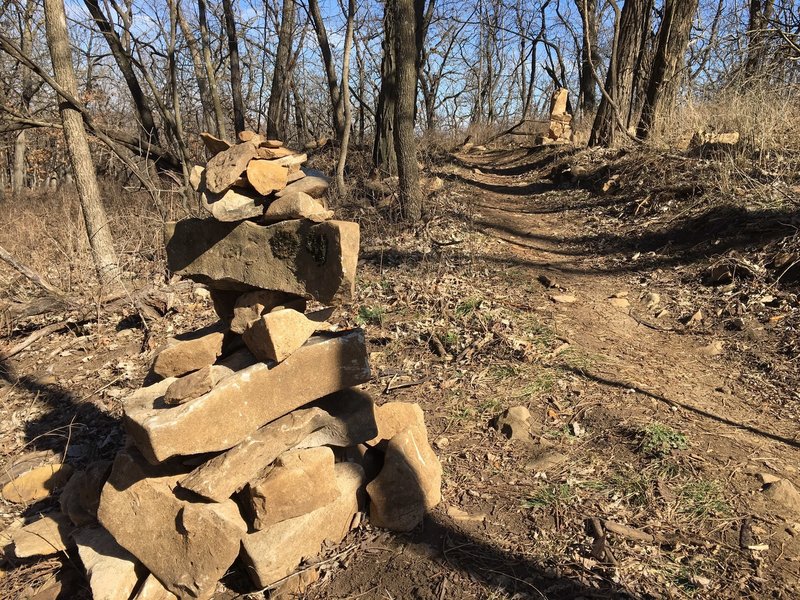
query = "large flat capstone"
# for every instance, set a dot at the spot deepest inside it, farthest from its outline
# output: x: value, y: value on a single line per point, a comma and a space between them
x: 313, y: 260
x: 246, y: 400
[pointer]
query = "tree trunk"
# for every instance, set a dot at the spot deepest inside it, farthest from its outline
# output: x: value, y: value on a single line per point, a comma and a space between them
x: 330, y: 70
x: 125, y: 65
x: 615, y: 106
x: 18, y: 183
x: 345, y: 141
x: 384, y: 157
x: 199, y: 72
x: 673, y: 39
x: 405, y: 141
x: 205, y: 43
x: 94, y: 215
x: 278, y: 96
x: 760, y: 11
x: 236, y: 72
x: 18, y: 170
x: 590, y: 55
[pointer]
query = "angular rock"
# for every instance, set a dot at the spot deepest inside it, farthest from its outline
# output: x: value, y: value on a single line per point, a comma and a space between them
x: 49, y: 535
x: 227, y: 166
x: 213, y: 144
x: 341, y: 419
x: 315, y: 184
x: 293, y: 159
x: 273, y: 153
x: 267, y: 176
x: 37, y: 483
x: 233, y: 205
x: 298, y: 257
x: 275, y: 552
x: 251, y: 306
x: 197, y: 178
x: 409, y: 484
x: 248, y: 399
x: 785, y: 495
x: 558, y: 105
x: 113, y: 572
x: 271, y: 144
x: 192, y: 386
x: 279, y: 333
x: 81, y: 496
x: 514, y: 423
x: 153, y: 590
x: 394, y: 417
x: 297, y: 205
x: 182, y: 356
x: 250, y: 136
x: 188, y: 546
x: 300, y: 482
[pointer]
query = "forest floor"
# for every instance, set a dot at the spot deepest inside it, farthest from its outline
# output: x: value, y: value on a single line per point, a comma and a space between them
x: 653, y: 346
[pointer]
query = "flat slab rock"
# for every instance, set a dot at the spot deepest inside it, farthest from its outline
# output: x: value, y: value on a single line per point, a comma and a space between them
x: 275, y: 552
x: 113, y: 572
x: 245, y: 401
x: 188, y: 546
x: 342, y: 419
x: 49, y: 535
x: 313, y: 260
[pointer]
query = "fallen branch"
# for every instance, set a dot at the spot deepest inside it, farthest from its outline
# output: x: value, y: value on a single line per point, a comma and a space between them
x: 30, y: 274
x: 36, y: 335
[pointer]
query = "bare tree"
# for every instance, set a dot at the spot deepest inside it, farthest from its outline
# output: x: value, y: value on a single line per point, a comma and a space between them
x: 334, y: 90
x: 94, y: 215
x: 345, y: 141
x: 236, y: 70
x: 405, y: 106
x: 279, y: 93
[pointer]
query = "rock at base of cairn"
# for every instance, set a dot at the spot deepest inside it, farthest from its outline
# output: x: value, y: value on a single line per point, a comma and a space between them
x: 187, y: 545
x: 275, y: 552
x: 298, y: 257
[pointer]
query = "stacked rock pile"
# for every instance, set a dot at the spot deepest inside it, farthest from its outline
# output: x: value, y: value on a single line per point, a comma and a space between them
x: 560, y: 128
x: 250, y: 440
x: 258, y: 177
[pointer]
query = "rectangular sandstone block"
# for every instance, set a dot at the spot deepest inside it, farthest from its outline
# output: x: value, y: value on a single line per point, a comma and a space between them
x: 273, y: 553
x: 313, y: 260
x: 344, y: 418
x: 248, y: 399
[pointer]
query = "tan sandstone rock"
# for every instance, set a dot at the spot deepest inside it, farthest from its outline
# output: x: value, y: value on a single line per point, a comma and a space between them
x: 394, y: 417
x: 81, y: 496
x: 267, y: 176
x: 191, y: 353
x: 197, y: 178
x: 273, y: 553
x: 409, y: 484
x: 297, y: 205
x: 37, y: 483
x: 250, y: 306
x: 188, y: 546
x: 152, y: 589
x: 279, y: 333
x: 315, y: 184
x: 213, y: 144
x: 298, y: 257
x: 233, y: 205
x: 300, y: 482
x: 273, y: 153
x: 113, y: 572
x: 227, y: 166
x: 46, y: 536
x: 193, y: 385
x: 248, y: 399
x: 342, y: 419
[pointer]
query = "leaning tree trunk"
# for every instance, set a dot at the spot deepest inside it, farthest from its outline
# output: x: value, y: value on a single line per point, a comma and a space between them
x: 125, y: 64
x: 236, y: 71
x: 614, y: 109
x: 673, y: 39
x: 94, y: 215
x: 590, y: 55
x: 280, y: 76
x: 405, y: 142
x: 205, y: 43
x: 334, y: 91
x: 384, y: 156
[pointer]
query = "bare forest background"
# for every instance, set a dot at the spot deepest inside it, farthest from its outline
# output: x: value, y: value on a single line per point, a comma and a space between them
x: 394, y: 82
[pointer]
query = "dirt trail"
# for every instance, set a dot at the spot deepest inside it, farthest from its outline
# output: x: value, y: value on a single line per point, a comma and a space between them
x: 634, y: 350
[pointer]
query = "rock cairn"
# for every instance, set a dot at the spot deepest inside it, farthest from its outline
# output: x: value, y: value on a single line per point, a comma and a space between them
x: 560, y: 129
x: 251, y: 441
